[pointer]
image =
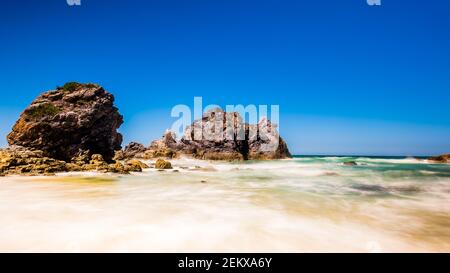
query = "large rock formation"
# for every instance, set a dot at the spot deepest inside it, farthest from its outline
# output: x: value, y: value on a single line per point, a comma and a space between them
x: 71, y: 121
x: 223, y: 136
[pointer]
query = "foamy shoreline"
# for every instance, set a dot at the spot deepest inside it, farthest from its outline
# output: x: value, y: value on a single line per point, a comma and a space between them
x: 297, y: 205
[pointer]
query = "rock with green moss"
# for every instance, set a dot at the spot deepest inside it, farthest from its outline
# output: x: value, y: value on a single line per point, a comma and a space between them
x: 162, y: 164
x: 135, y: 165
x: 17, y: 160
x: 42, y: 110
x: 118, y: 168
x: 70, y: 120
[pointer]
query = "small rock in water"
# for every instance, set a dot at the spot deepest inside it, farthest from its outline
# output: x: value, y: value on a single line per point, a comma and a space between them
x: 135, y: 165
x: 373, y: 188
x: 118, y: 168
x: 406, y: 189
x: 163, y: 164
x: 206, y: 169
x: 350, y: 163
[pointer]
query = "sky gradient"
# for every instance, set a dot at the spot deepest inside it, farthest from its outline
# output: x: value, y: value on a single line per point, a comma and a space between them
x: 349, y: 78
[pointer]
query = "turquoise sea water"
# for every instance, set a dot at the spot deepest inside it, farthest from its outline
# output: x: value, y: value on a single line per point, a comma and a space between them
x: 308, y: 203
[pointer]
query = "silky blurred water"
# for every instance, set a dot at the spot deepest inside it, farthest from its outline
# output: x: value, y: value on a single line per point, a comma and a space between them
x: 305, y: 204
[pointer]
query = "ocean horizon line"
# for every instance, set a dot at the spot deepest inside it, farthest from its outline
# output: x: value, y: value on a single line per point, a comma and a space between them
x: 362, y: 155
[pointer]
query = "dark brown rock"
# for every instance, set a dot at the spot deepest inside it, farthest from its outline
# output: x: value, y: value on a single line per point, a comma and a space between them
x: 134, y: 150
x: 445, y: 158
x: 69, y: 121
x: 350, y: 163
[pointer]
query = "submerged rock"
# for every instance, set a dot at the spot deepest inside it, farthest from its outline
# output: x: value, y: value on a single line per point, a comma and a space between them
x: 69, y: 121
x: 370, y: 188
x: 350, y: 163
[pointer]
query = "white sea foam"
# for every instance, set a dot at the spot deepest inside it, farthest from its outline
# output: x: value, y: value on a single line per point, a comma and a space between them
x: 293, y: 205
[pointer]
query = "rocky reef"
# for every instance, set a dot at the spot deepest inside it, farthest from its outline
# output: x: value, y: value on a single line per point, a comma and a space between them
x: 219, y: 135
x: 17, y: 160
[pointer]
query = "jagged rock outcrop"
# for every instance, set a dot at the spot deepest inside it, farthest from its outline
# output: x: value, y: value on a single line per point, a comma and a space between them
x: 445, y: 158
x: 73, y: 121
x: 215, y: 137
x: 164, y: 147
x: 134, y: 150
x: 264, y: 142
x: 222, y: 136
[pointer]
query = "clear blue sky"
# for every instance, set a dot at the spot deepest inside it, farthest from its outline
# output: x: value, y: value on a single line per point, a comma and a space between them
x: 349, y: 78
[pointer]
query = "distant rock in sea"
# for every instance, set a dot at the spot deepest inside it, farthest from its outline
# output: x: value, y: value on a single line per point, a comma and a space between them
x: 445, y: 158
x: 232, y: 140
x: 70, y: 121
x: 350, y: 163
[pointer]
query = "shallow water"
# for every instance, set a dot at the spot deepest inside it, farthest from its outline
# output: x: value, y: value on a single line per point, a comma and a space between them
x: 307, y: 204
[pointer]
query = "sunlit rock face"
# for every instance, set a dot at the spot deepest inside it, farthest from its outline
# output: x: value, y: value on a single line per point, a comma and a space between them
x: 221, y: 135
x: 71, y: 120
